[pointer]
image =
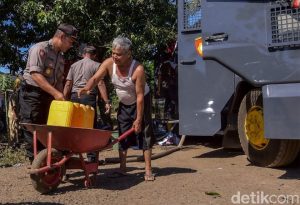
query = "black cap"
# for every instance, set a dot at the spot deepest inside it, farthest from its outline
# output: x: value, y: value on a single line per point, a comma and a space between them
x: 89, y: 49
x: 69, y: 30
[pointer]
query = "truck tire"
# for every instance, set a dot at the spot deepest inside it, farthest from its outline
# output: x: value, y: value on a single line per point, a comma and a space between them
x: 48, y: 181
x: 259, y: 150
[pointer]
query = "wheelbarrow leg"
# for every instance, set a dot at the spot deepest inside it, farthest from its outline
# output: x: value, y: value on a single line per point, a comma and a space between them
x: 49, y: 148
x: 87, y: 181
x: 89, y: 168
x: 34, y: 143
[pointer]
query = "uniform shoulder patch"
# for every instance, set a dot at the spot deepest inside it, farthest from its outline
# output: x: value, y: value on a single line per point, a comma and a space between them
x: 42, y: 53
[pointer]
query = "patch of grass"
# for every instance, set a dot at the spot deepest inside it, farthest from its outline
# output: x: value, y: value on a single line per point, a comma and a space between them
x: 10, y: 156
x: 212, y: 193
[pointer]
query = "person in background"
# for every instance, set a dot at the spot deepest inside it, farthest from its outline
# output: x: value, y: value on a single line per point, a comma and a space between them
x: 79, y: 73
x: 43, y: 79
x: 128, y: 77
x: 2, y: 115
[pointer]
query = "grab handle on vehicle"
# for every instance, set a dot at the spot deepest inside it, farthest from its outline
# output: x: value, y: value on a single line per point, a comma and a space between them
x: 191, y: 62
x: 217, y: 37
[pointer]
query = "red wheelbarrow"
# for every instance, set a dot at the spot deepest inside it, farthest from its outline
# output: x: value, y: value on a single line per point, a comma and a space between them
x: 62, y: 143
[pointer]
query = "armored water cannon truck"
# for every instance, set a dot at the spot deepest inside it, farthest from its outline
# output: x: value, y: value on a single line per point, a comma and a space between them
x: 239, y: 75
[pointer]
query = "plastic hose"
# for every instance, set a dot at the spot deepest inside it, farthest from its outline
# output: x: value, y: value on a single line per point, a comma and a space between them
x: 153, y: 157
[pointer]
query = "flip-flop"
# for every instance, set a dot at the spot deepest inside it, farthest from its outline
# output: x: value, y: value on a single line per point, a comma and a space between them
x: 150, y: 177
x: 117, y: 175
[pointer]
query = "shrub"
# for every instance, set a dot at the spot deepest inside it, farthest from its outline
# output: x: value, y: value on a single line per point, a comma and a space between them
x: 10, y: 156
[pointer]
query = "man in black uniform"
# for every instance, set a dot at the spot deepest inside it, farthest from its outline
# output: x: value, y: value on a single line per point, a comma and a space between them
x: 43, y: 78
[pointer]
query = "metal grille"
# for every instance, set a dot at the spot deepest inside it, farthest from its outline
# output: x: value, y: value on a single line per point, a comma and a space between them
x: 285, y: 25
x: 283, y: 2
x: 192, y: 15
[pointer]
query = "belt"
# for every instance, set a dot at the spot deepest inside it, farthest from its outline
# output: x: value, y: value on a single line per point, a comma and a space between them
x: 75, y: 93
x: 30, y: 87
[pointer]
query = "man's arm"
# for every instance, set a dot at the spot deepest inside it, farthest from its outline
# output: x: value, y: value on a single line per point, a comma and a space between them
x: 93, y: 81
x: 36, y: 58
x: 103, y: 91
x: 60, y: 86
x: 104, y: 96
x: 67, y: 89
x: 44, y: 85
x: 140, y: 90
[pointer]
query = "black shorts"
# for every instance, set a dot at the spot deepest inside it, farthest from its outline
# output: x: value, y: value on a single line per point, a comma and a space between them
x: 126, y: 116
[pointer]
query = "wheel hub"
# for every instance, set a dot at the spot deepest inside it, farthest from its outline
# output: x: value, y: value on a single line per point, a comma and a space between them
x: 51, y: 177
x: 254, y: 128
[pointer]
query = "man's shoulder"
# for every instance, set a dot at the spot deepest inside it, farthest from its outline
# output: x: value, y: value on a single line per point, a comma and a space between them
x: 40, y: 45
x: 108, y: 62
x: 77, y: 63
x: 138, y: 66
x: 90, y: 64
x: 88, y: 60
x: 138, y: 70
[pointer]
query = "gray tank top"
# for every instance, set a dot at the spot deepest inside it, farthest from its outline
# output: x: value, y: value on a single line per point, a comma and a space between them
x: 125, y: 87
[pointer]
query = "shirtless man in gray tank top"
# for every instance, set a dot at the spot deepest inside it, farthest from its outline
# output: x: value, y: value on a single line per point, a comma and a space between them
x: 128, y: 77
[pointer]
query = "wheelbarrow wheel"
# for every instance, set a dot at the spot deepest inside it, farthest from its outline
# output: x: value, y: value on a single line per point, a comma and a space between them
x: 47, y: 181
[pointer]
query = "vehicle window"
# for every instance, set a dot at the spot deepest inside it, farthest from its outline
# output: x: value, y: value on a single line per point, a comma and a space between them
x: 192, y: 15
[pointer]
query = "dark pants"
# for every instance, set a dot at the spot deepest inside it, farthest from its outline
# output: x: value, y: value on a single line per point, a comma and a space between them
x: 126, y: 116
x: 34, y: 108
x: 91, y: 101
x: 105, y: 119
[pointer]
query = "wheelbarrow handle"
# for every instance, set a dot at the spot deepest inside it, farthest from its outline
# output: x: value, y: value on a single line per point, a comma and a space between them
x: 123, y: 136
x: 126, y: 134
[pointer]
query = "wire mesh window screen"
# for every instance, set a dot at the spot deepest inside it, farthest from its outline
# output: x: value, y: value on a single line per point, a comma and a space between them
x: 285, y: 25
x: 283, y: 2
x: 192, y: 15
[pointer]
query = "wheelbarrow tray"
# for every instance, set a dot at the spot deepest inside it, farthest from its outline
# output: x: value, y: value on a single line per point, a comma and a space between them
x: 76, y: 140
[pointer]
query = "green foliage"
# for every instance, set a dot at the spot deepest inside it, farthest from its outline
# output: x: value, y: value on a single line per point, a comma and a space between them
x: 10, y: 156
x: 17, y: 32
x: 149, y: 69
x: 114, y: 101
x: 149, y: 24
x: 6, y: 82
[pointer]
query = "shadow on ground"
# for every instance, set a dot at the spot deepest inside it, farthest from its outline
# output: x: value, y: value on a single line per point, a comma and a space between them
x: 292, y: 171
x: 221, y: 153
x: 76, y: 179
x: 26, y: 203
x: 210, y: 141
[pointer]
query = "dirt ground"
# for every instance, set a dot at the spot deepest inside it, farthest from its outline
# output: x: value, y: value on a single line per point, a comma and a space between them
x: 202, y: 173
